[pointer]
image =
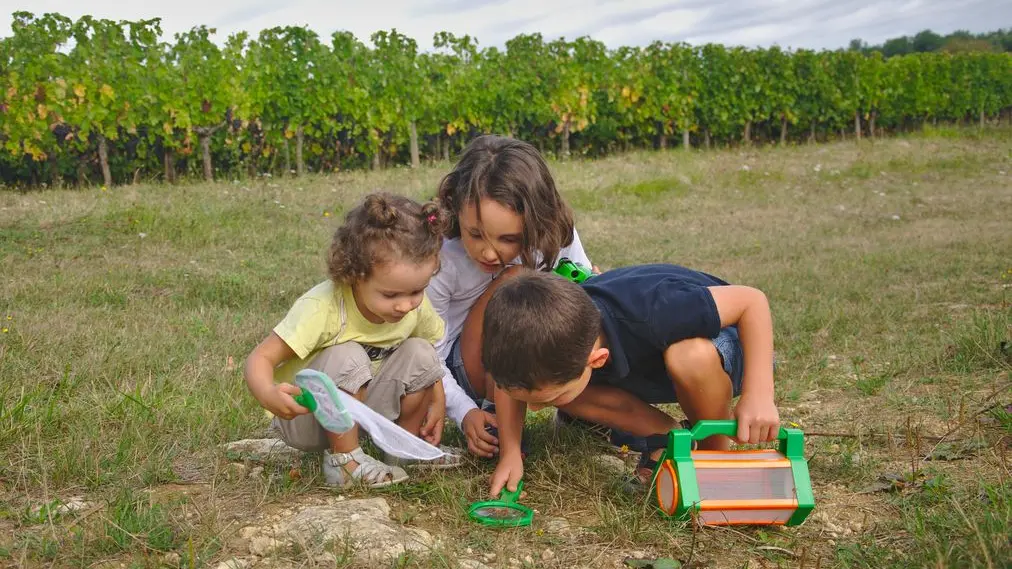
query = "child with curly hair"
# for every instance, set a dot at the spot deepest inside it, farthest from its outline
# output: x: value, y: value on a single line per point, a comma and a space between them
x: 369, y: 327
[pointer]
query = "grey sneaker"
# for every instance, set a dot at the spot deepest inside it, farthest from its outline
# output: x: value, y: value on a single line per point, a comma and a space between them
x: 370, y: 472
x: 451, y: 459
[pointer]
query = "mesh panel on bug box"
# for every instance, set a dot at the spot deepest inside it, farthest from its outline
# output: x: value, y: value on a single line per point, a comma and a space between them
x: 745, y: 483
x: 745, y: 516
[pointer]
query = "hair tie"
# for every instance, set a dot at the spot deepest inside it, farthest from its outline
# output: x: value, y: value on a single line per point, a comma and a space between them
x: 432, y: 218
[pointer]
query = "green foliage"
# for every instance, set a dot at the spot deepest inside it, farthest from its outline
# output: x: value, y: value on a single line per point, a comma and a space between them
x: 90, y: 93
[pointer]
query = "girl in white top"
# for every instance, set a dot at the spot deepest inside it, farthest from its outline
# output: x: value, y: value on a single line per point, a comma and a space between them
x: 504, y: 210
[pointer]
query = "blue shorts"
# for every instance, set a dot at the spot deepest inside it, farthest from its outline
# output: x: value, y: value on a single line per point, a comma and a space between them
x: 455, y: 362
x: 658, y: 387
x: 731, y: 357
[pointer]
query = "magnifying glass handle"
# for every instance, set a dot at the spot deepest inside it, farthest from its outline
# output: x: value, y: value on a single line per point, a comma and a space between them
x: 511, y: 497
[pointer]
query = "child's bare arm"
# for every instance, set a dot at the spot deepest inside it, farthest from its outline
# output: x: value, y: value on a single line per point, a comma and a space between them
x: 510, y: 416
x: 748, y: 308
x: 620, y: 409
x: 259, y: 373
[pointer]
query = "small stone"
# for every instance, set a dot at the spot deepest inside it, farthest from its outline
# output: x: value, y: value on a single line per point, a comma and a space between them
x: 262, y: 450
x: 263, y: 546
x: 831, y: 542
x: 472, y: 564
x: 514, y: 562
x: 895, y: 218
x: 326, y: 559
x: 547, y: 555
x: 557, y: 525
x: 528, y: 560
x: 856, y: 527
x: 610, y: 462
x: 488, y: 557
x: 237, y: 471
x: 234, y: 563
x: 256, y: 472
x: 172, y: 559
x: 469, y: 551
x: 248, y: 532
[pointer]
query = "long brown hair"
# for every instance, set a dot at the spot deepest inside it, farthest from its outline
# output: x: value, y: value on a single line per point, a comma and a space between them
x: 512, y: 173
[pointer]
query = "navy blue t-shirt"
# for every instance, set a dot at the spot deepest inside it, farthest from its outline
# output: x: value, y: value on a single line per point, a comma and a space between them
x: 645, y: 309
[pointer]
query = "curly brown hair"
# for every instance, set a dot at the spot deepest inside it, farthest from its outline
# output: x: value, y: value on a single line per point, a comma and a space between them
x: 383, y: 228
x: 514, y: 174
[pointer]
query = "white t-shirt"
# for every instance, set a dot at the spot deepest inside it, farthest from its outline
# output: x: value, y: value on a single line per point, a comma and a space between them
x: 452, y: 291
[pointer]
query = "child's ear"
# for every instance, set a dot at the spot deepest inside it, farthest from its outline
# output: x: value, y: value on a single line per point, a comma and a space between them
x: 598, y: 357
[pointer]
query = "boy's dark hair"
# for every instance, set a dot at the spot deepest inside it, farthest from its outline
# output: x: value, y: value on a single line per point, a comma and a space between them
x: 383, y: 228
x: 512, y: 173
x: 539, y: 329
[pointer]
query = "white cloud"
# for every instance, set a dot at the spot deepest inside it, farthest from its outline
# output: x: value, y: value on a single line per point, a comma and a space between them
x: 801, y: 23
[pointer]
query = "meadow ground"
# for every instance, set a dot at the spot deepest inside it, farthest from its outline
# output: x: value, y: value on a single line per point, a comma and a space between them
x: 127, y: 314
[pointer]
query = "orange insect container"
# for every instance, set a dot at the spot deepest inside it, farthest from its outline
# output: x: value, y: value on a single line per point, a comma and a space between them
x: 744, y: 487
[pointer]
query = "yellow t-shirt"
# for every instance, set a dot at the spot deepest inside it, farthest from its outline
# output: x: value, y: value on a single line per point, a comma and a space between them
x: 327, y: 315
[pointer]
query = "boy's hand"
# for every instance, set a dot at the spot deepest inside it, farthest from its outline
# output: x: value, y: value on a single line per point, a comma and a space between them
x: 507, y: 473
x: 278, y: 400
x: 480, y: 441
x: 758, y: 419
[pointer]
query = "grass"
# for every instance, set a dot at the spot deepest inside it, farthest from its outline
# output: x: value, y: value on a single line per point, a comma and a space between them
x: 126, y: 315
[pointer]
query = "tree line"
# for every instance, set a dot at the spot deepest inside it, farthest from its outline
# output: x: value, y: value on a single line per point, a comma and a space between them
x: 93, y: 100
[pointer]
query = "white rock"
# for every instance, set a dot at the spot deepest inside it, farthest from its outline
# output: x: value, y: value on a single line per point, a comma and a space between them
x: 262, y: 450
x: 557, y: 525
x: 262, y: 546
x: 234, y: 563
x: 364, y: 523
x: 172, y: 559
x: 610, y: 462
x: 547, y: 555
x: 72, y: 504
x: 472, y: 564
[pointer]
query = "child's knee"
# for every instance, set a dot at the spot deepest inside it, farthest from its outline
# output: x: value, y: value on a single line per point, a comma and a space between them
x: 692, y: 361
x: 346, y: 364
x: 416, y: 364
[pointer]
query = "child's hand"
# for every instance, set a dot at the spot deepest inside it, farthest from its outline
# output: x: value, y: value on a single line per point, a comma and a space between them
x: 432, y: 426
x: 507, y: 473
x: 480, y: 441
x: 758, y: 419
x: 278, y: 401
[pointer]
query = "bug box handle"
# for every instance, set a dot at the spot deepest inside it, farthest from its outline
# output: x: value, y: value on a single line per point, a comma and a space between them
x: 728, y: 427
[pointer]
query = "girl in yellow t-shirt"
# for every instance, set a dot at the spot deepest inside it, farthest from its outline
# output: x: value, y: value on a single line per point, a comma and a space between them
x: 371, y: 329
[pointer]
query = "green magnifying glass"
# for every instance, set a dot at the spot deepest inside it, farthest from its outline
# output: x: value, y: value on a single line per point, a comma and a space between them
x: 504, y: 512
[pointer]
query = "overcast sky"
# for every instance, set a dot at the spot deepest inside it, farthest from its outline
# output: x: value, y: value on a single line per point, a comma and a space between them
x: 789, y: 23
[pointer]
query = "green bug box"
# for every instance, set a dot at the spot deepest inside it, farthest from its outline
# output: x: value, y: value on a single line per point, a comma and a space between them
x: 736, y: 487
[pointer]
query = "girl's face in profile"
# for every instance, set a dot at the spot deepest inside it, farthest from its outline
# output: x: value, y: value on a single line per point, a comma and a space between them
x: 498, y: 238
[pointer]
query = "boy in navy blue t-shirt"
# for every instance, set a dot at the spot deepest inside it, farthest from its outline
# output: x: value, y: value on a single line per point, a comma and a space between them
x: 604, y: 351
